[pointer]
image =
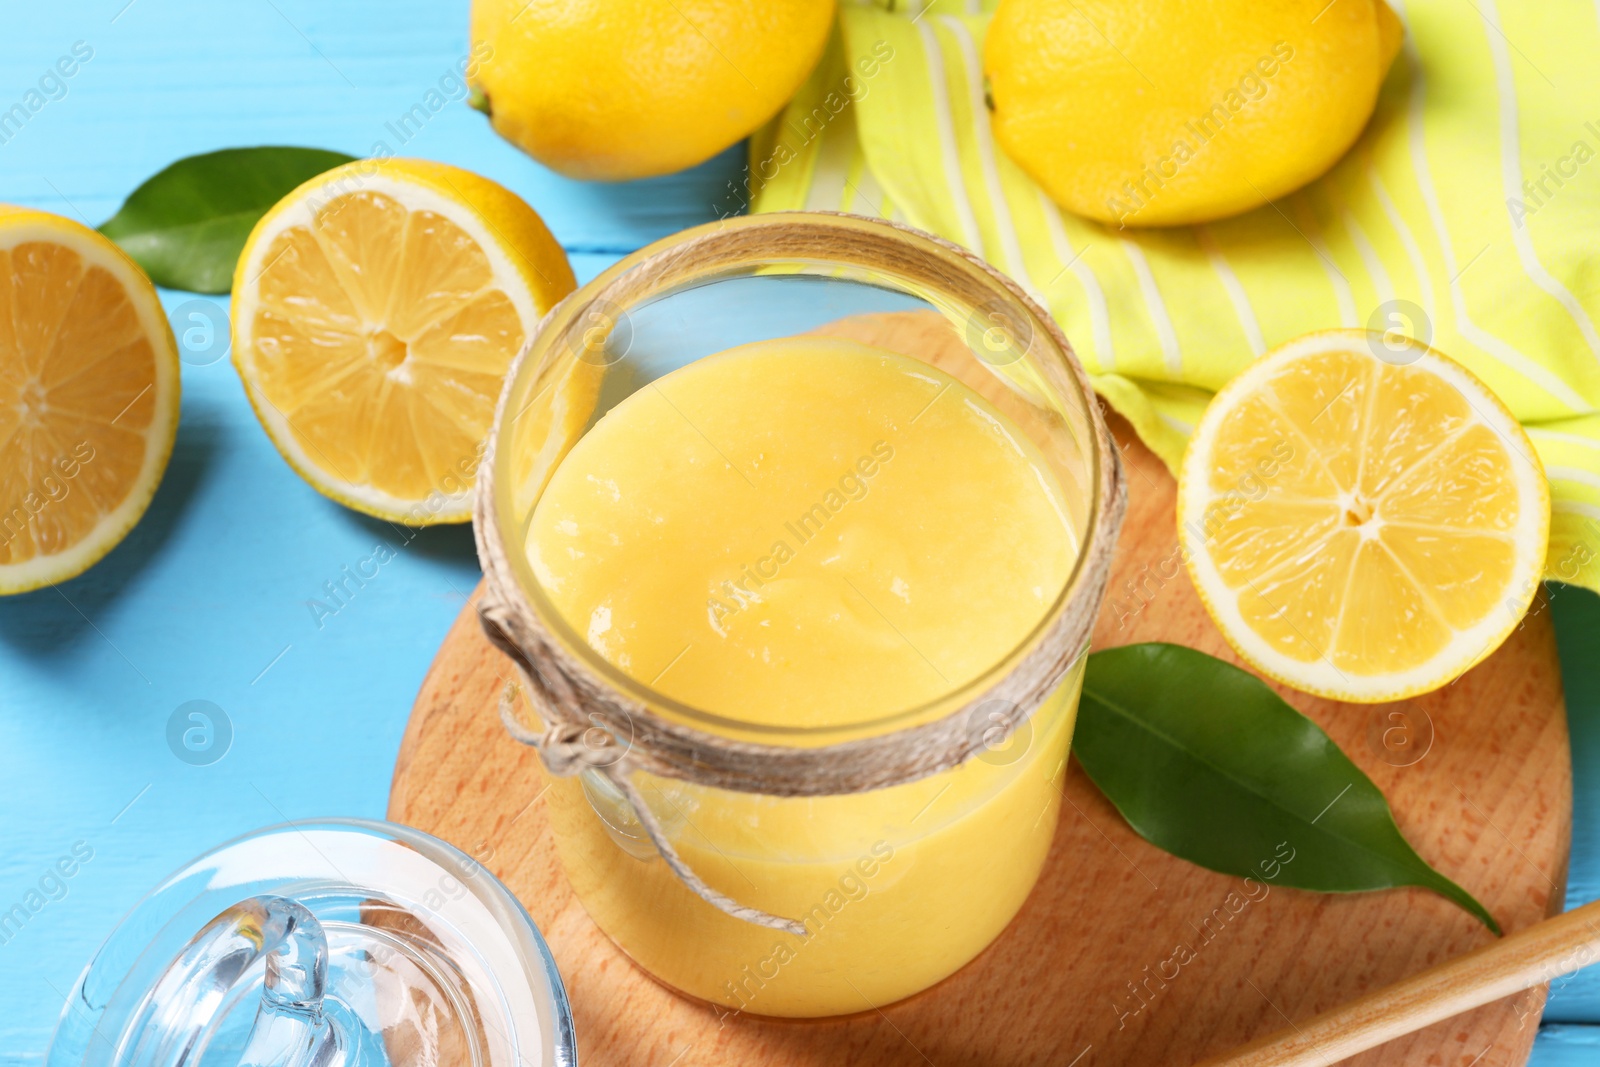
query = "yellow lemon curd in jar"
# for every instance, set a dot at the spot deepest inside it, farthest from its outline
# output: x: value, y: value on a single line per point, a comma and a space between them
x: 810, y: 536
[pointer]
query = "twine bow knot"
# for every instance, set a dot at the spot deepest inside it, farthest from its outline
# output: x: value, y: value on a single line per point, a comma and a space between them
x: 567, y: 749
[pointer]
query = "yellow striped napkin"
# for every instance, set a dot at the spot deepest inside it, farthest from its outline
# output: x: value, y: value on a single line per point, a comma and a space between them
x: 1467, y: 215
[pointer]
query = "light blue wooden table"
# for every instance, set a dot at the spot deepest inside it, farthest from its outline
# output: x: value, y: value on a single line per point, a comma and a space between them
x: 208, y: 598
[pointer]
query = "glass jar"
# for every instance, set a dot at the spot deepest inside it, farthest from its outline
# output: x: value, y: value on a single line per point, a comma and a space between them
x: 899, y: 885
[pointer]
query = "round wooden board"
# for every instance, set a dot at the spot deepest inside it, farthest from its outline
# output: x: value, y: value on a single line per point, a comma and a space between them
x: 1479, y: 776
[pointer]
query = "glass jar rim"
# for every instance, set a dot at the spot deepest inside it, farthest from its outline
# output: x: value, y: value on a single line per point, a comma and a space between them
x: 912, y: 248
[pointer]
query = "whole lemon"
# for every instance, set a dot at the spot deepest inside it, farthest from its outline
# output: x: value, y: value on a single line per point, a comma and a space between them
x: 616, y: 89
x: 1164, y: 112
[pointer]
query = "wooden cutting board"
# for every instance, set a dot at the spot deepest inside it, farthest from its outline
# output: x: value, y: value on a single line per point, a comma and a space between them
x: 1479, y: 776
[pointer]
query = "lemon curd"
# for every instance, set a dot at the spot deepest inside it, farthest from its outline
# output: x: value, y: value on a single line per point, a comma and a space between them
x: 810, y: 536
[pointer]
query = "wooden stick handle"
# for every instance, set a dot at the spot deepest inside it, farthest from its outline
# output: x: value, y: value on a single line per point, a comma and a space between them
x: 1527, y: 958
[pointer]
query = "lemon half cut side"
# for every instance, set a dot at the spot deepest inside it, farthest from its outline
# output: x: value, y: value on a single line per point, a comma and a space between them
x: 89, y: 397
x: 376, y: 309
x: 1362, y: 517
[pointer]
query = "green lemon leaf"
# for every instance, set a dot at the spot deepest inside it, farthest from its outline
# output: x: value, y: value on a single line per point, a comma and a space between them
x: 187, y: 225
x: 1205, y: 761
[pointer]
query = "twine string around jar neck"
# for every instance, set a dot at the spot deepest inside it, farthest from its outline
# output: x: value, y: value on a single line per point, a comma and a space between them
x: 572, y: 697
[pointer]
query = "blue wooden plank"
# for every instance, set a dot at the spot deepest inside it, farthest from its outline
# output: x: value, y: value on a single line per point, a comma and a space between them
x: 1565, y: 1045
x: 1576, y: 612
x: 209, y: 598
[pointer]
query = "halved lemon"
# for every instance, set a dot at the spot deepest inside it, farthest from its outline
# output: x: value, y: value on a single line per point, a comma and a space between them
x: 1362, y: 517
x: 376, y: 309
x: 88, y: 397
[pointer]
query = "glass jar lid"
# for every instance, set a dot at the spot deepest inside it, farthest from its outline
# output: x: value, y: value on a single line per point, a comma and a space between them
x: 333, y: 943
